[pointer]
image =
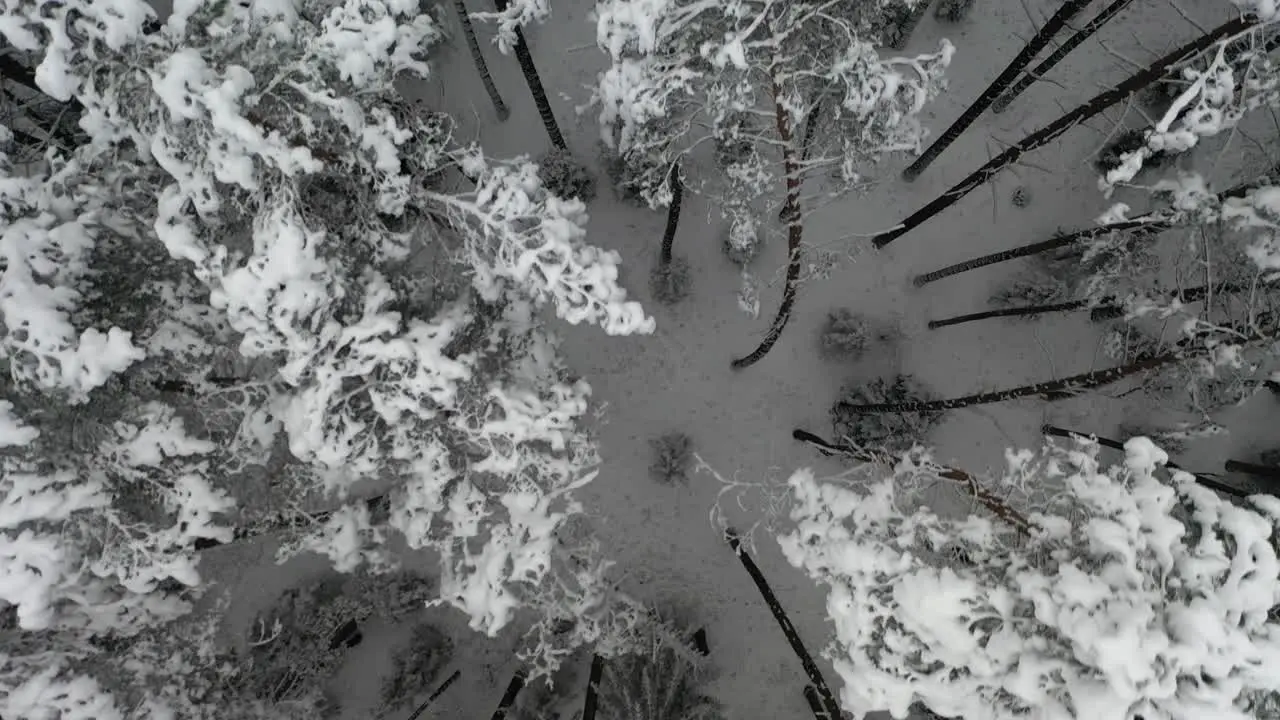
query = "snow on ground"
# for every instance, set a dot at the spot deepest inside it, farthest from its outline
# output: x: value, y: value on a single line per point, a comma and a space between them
x: 679, y: 378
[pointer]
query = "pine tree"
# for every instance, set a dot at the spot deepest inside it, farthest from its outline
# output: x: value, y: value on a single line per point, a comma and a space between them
x: 534, y: 81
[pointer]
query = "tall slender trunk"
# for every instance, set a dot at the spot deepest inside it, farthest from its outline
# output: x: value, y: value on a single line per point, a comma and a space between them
x: 795, y: 232
x: 788, y: 630
x: 1009, y: 312
x: 1267, y: 471
x: 1205, y: 480
x: 1149, y: 223
x: 1083, y: 381
x: 1033, y: 47
x: 477, y: 58
x: 439, y: 691
x: 1112, y: 310
x: 1051, y: 132
x: 673, y: 214
x: 535, y: 84
x: 509, y: 697
x: 992, y: 502
x: 1071, y: 43
x: 592, y: 700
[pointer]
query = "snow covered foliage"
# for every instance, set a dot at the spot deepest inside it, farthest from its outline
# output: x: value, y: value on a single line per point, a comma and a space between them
x: 1213, y: 296
x: 256, y: 298
x: 1129, y: 596
x: 749, y: 71
x: 1215, y: 91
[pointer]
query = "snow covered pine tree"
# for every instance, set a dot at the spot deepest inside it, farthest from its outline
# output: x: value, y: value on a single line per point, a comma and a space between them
x: 1127, y: 597
x: 257, y: 199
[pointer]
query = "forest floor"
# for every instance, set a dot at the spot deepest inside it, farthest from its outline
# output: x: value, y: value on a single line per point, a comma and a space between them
x: 679, y: 378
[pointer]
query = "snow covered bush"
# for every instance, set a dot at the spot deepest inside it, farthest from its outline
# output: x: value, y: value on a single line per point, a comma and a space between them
x: 565, y: 177
x: 415, y: 667
x: 893, y: 432
x: 846, y: 334
x: 660, y: 678
x: 1127, y: 596
x: 952, y: 10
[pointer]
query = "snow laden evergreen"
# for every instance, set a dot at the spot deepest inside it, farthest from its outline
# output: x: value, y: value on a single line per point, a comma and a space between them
x: 272, y: 296
x: 775, y: 93
x: 1129, y: 595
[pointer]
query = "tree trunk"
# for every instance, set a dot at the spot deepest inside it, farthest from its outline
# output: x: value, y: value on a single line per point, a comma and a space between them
x: 795, y: 231
x: 535, y: 85
x: 509, y: 697
x: 993, y: 503
x: 1033, y: 47
x: 439, y: 691
x: 1083, y: 381
x: 815, y: 704
x: 1205, y: 480
x: 1051, y: 132
x: 788, y: 630
x: 699, y: 642
x: 1149, y: 223
x: 1071, y: 43
x: 1009, y: 312
x: 673, y: 214
x: 477, y: 58
x: 1265, y: 471
x: 1111, y: 311
x: 593, y: 688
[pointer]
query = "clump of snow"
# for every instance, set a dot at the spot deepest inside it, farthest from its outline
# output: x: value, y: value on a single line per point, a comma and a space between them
x: 1131, y: 596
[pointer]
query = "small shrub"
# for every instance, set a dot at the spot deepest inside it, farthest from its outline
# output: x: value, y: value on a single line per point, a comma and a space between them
x: 1110, y: 157
x: 629, y: 176
x: 952, y: 10
x: 415, y: 666
x: 672, y: 458
x: 661, y: 679
x: 846, y: 334
x: 1035, y: 287
x: 565, y: 177
x: 669, y: 282
x: 894, y: 432
x: 1021, y: 197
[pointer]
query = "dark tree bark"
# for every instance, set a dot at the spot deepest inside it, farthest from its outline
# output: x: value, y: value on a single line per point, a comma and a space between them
x: 1205, y: 480
x: 968, y: 483
x: 795, y: 233
x: 1039, y: 42
x: 63, y: 131
x: 439, y: 691
x: 477, y: 59
x: 535, y: 85
x: 592, y: 701
x: 1052, y: 131
x: 1009, y: 312
x: 1112, y: 310
x: 509, y: 697
x: 811, y: 669
x: 673, y: 214
x: 1149, y: 224
x: 1058, y: 388
x: 1264, y: 471
x: 1071, y: 43
x: 815, y: 704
